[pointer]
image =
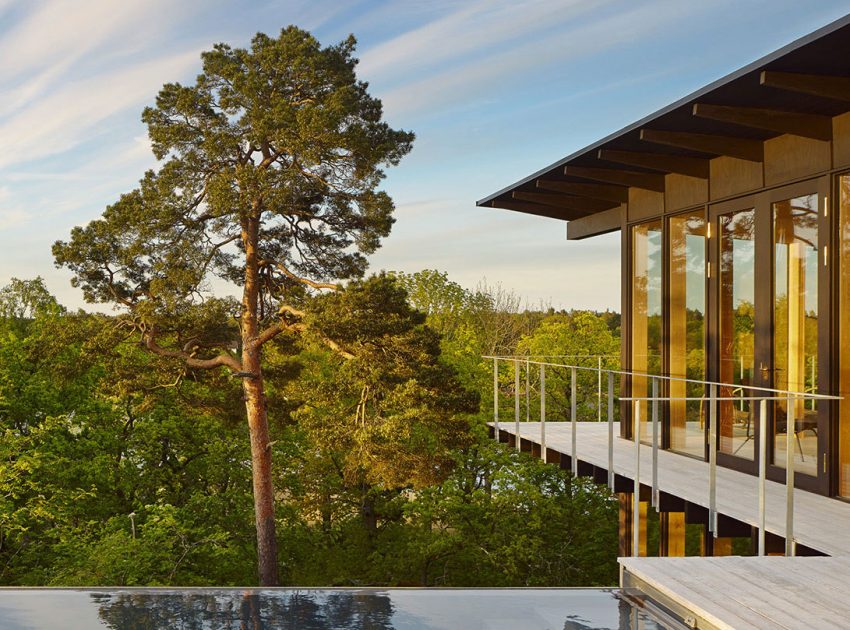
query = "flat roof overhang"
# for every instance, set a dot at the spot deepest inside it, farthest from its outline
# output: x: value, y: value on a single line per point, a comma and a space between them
x: 796, y: 90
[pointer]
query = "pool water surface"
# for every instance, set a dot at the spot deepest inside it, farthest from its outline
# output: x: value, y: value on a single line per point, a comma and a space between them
x: 319, y: 609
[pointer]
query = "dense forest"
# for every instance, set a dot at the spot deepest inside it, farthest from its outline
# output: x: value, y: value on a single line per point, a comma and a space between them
x: 118, y: 467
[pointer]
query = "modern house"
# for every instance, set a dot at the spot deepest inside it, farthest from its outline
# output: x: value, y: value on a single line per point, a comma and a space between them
x: 733, y: 206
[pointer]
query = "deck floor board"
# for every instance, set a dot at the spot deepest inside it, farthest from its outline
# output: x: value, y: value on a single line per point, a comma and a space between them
x: 821, y: 523
x: 745, y: 593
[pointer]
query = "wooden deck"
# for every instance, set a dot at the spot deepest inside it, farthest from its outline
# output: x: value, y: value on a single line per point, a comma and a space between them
x: 820, y: 523
x: 744, y: 593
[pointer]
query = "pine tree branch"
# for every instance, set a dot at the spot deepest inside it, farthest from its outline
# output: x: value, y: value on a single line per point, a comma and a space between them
x: 310, y: 283
x: 222, y: 360
x: 282, y: 326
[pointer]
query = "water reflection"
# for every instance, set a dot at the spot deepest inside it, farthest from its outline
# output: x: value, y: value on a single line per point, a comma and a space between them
x: 257, y: 610
x: 319, y: 609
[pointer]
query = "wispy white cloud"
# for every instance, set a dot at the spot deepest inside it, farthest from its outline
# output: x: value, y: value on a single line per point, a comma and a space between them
x: 59, y: 32
x: 490, y: 73
x: 470, y: 29
x: 71, y: 114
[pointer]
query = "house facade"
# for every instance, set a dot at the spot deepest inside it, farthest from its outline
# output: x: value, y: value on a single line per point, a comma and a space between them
x: 733, y: 206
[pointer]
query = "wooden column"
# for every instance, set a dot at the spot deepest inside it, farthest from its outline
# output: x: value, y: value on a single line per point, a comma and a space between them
x: 626, y: 510
x: 711, y: 546
x: 672, y: 539
x: 625, y: 524
x: 722, y: 547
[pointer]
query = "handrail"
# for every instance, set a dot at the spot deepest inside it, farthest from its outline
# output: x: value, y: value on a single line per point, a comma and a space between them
x: 663, y: 377
x: 756, y: 394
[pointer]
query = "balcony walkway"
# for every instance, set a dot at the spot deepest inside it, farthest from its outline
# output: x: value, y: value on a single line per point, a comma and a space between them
x: 745, y: 593
x: 820, y: 523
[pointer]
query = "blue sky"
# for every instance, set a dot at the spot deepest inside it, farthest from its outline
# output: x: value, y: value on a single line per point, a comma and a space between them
x: 494, y: 90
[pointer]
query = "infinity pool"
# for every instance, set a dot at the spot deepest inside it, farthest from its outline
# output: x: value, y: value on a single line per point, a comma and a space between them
x: 319, y: 609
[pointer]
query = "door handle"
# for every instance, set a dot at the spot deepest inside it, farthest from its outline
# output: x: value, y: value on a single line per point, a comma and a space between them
x: 765, y: 370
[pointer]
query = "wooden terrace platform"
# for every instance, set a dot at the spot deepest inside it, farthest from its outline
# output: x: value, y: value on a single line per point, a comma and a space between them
x: 820, y: 523
x: 745, y: 593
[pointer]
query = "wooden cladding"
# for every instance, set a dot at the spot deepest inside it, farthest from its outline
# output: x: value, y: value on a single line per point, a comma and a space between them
x: 644, y: 204
x: 731, y: 176
x: 683, y: 192
x: 791, y: 157
x: 841, y: 141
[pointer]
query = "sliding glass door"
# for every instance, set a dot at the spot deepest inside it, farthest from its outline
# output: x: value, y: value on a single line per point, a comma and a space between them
x: 841, y: 350
x: 770, y: 292
x: 796, y: 244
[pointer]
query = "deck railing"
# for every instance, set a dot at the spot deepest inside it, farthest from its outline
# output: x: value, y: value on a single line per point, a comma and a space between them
x: 753, y: 394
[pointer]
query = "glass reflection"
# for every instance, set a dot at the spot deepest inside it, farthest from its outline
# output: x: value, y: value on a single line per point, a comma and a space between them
x: 737, y: 330
x: 687, y: 331
x: 298, y: 610
x: 844, y: 335
x: 646, y: 313
x: 795, y: 318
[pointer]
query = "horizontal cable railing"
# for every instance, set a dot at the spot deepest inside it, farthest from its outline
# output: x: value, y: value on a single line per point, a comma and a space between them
x: 749, y: 394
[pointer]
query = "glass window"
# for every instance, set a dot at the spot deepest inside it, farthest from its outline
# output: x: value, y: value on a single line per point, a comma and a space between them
x: 687, y: 331
x: 646, y: 312
x: 795, y: 326
x: 844, y: 335
x: 737, y: 330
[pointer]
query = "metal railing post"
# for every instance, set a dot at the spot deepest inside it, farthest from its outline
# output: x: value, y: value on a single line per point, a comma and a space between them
x: 543, y: 412
x: 516, y: 402
x: 611, y: 431
x: 762, y: 426
x: 527, y: 391
x: 496, y: 396
x: 712, y: 460
x: 599, y: 388
x: 789, y: 475
x: 573, y: 455
x: 636, y: 486
x: 655, y: 438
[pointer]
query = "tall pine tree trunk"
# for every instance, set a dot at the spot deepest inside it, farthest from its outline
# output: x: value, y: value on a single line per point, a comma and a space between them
x: 255, y: 407
x: 261, y: 466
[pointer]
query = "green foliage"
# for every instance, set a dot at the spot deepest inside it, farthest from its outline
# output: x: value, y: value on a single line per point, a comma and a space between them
x: 25, y: 299
x: 377, y: 419
x: 80, y: 450
x: 500, y: 519
x: 282, y: 139
x: 384, y: 474
x: 578, y: 338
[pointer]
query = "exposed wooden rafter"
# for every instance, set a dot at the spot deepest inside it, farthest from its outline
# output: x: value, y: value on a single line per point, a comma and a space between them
x: 684, y: 165
x: 605, y: 192
x: 570, y: 202
x: 837, y: 88
x: 807, y: 125
x: 741, y: 148
x: 646, y: 181
x: 540, y: 210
